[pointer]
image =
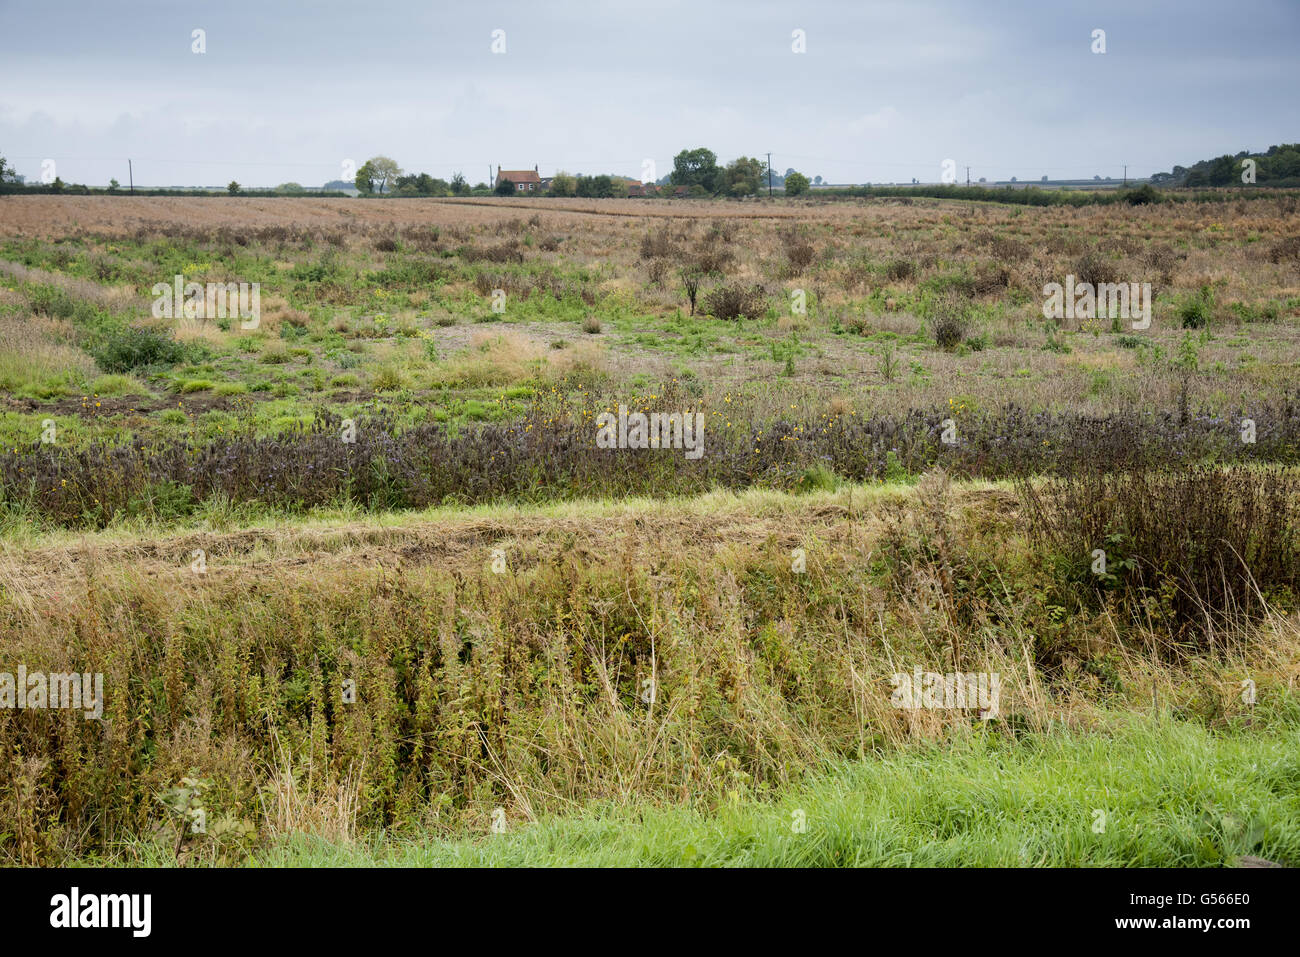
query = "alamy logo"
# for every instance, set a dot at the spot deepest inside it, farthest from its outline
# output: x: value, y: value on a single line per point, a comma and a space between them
x: 658, y: 430
x: 103, y: 910
x: 38, y: 691
x: 947, y: 691
x: 1113, y: 300
x: 215, y: 300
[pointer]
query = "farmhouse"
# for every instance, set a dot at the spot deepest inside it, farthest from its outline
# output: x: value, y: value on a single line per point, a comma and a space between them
x: 525, y: 180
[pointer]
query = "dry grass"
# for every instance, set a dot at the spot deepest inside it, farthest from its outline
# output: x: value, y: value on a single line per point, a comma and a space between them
x: 198, y: 330
x: 114, y: 298
x: 35, y: 355
x: 522, y: 690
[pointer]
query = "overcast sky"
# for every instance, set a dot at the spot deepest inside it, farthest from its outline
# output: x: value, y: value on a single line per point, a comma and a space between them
x: 287, y: 91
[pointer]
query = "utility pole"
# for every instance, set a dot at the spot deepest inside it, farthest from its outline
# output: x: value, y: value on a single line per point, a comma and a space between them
x: 1126, y: 174
x: 967, y: 175
x: 130, y: 172
x: 769, y: 175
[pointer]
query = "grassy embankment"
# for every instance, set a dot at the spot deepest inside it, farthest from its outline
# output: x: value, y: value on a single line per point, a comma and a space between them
x: 526, y: 691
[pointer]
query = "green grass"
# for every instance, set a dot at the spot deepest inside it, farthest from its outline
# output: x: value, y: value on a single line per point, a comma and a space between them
x: 1173, y: 794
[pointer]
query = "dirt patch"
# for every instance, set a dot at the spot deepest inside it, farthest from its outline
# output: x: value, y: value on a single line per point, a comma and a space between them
x: 90, y: 406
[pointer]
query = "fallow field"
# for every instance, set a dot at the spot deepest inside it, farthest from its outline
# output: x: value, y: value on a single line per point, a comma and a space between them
x: 362, y: 586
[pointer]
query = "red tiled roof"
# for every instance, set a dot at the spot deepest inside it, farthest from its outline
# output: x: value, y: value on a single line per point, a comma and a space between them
x: 519, y: 175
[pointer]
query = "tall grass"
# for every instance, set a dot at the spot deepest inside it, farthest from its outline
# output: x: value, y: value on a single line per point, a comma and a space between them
x: 1197, y: 551
x: 1150, y: 793
x: 640, y: 662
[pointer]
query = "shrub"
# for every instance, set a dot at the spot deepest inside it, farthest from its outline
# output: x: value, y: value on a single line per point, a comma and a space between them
x: 1141, y: 196
x: 55, y: 302
x: 735, y: 301
x: 1286, y: 249
x: 990, y: 278
x: 949, y: 328
x: 132, y: 347
x: 713, y: 260
x: 659, y: 245
x: 1197, y: 550
x: 899, y: 270
x: 1197, y: 310
x: 1095, y: 268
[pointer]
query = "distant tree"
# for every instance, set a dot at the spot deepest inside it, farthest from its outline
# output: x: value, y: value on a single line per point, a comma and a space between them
x: 744, y: 176
x: 564, y: 185
x: 421, y: 184
x: 817, y: 180
x: 290, y: 188
x: 6, y: 171
x: 114, y: 186
x: 1044, y: 178
x: 795, y: 183
x: 232, y: 188
x: 697, y: 167
x: 57, y: 185
x: 1013, y: 179
x: 365, y: 180
x: 458, y: 185
x: 383, y: 171
x: 505, y: 188
x: 595, y: 187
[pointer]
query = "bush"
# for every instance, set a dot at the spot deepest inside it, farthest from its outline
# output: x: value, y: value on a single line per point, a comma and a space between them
x: 1195, y: 550
x: 735, y: 301
x: 55, y: 302
x: 132, y: 347
x: 1094, y: 267
x: 1286, y: 249
x: 1197, y: 310
x: 949, y: 329
x: 900, y: 269
x: 1141, y: 196
x: 659, y: 245
x: 800, y: 256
